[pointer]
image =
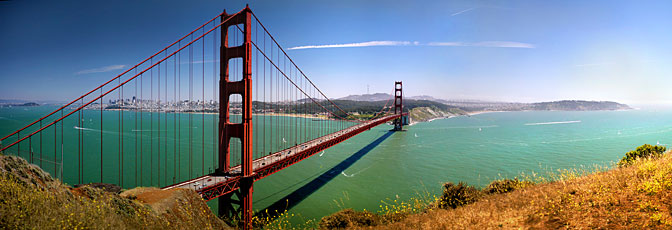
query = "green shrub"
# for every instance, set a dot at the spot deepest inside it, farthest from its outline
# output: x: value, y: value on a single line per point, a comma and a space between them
x: 349, y: 218
x: 506, y: 185
x: 643, y: 151
x: 457, y: 195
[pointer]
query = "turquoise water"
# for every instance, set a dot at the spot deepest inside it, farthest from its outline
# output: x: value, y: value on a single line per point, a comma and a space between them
x: 378, y: 164
x: 156, y: 149
x: 474, y: 149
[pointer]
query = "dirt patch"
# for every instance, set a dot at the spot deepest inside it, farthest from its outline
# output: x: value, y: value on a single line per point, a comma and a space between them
x: 162, y: 201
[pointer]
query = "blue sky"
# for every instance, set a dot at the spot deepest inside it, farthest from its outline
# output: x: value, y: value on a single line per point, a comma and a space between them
x: 490, y: 50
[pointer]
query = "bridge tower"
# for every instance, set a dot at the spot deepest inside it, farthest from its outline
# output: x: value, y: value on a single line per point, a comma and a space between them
x: 243, y: 130
x: 398, y: 106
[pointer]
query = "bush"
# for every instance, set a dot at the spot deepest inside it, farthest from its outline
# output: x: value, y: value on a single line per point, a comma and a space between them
x: 349, y: 218
x: 457, y: 195
x: 643, y: 151
x: 506, y: 185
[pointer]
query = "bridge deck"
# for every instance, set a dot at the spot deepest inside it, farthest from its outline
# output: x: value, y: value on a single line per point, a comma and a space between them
x: 212, y: 186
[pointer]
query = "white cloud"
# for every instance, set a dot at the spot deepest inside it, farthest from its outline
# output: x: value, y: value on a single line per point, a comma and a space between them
x: 358, y: 44
x: 101, y: 69
x: 464, y: 11
x: 446, y: 44
x: 498, y: 44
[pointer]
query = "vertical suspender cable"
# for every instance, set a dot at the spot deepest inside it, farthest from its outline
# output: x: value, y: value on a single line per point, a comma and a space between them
x: 165, y: 120
x: 101, y: 134
x: 179, y: 119
x: 175, y: 108
x: 142, y: 89
x: 191, y: 63
x: 135, y: 107
x: 203, y: 112
x: 151, y: 125
x: 158, y: 125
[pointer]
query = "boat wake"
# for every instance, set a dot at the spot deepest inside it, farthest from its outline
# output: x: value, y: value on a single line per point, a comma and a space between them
x: 87, y: 129
x: 668, y: 130
x: 354, y: 174
x: 553, y: 123
x: 463, y: 127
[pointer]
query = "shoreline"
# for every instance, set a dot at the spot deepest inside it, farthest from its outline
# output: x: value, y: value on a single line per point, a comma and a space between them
x: 504, y: 111
x: 307, y: 116
x: 484, y: 112
x: 448, y: 117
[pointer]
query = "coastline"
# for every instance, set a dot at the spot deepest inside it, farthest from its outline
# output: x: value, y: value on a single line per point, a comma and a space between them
x: 473, y: 113
x: 451, y: 116
x: 484, y: 112
x: 307, y: 116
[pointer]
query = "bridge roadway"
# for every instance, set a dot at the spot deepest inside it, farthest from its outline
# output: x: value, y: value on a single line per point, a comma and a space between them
x: 212, y: 186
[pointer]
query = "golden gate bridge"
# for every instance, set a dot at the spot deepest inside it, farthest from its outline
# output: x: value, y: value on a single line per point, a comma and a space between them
x: 226, y: 92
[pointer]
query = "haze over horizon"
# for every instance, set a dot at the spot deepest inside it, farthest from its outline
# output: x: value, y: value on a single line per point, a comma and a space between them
x: 514, y: 51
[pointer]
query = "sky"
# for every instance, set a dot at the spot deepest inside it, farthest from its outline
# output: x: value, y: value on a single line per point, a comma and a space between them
x: 518, y: 51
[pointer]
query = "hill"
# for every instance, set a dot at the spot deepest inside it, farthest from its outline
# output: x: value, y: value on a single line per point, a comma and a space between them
x: 577, y: 105
x: 419, y: 110
x: 32, y: 199
x: 479, y: 105
x: 367, y: 97
x: 638, y: 196
x: 20, y: 104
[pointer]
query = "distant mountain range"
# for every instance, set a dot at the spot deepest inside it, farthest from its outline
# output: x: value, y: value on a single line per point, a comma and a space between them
x: 478, y: 105
x: 22, y: 101
x: 386, y: 96
x: 368, y: 97
x: 20, y: 104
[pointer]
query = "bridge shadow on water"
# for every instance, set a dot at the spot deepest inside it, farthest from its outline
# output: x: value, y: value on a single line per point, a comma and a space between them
x: 294, y: 198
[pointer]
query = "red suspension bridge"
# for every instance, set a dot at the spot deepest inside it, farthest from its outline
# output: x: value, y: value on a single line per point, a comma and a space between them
x: 215, y: 111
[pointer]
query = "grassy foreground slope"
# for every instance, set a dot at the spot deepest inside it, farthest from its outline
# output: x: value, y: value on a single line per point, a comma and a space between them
x: 32, y: 199
x: 638, y: 196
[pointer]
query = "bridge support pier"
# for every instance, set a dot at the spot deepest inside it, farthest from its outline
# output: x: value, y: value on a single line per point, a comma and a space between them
x: 243, y: 130
x: 398, y: 106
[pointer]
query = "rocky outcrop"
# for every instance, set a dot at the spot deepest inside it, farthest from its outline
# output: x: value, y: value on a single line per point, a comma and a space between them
x: 422, y: 114
x: 32, y: 199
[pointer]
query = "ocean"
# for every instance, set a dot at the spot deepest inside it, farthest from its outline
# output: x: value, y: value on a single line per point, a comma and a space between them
x: 377, y: 165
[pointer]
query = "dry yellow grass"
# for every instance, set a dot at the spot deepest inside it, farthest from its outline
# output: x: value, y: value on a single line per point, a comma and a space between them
x: 634, y: 197
x: 31, y: 199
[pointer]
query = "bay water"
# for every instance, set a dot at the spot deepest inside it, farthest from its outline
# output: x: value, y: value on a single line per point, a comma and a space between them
x: 378, y: 165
